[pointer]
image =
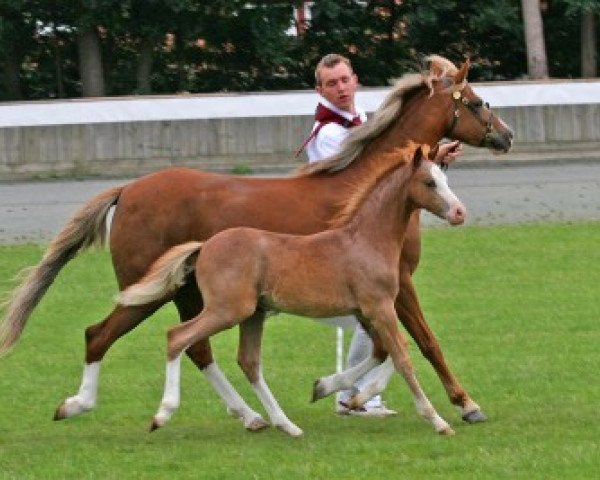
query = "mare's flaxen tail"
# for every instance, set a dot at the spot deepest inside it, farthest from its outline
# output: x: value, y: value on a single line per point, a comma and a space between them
x: 85, y: 229
x: 165, y: 275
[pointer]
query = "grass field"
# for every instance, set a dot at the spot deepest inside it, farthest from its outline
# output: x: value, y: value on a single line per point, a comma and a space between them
x: 516, y: 310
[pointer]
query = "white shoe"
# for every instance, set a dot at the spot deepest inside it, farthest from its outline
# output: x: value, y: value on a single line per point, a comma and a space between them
x: 365, y: 411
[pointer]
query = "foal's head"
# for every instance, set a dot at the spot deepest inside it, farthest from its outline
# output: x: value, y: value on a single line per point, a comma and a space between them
x: 428, y: 189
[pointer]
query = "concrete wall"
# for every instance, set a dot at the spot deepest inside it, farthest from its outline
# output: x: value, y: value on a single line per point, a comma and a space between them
x: 261, y: 143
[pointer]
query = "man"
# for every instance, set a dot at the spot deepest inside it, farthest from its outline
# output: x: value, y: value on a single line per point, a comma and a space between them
x: 336, y: 114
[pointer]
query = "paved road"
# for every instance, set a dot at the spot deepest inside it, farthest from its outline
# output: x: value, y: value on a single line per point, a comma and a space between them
x: 34, y: 212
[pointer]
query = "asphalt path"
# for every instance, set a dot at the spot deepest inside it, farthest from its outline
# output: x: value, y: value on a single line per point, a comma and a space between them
x: 35, y: 211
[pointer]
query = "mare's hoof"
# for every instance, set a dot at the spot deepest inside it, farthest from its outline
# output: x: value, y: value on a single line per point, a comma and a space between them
x: 319, y: 391
x: 60, y: 413
x: 257, y: 425
x: 447, y: 432
x: 476, y: 416
x: 154, y: 425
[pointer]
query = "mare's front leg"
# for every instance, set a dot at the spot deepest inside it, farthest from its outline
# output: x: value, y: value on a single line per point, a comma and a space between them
x: 410, y: 314
x: 249, y: 361
x: 189, y: 304
x: 385, y: 326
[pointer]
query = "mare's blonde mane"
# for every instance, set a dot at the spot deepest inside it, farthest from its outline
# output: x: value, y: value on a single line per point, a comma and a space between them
x: 361, y: 136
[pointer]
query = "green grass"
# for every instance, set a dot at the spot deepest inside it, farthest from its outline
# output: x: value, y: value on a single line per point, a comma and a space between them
x: 516, y: 310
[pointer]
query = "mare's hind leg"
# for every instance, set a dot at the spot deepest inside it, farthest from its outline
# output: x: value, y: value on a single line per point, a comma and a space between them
x: 189, y: 303
x: 249, y: 360
x: 99, y: 339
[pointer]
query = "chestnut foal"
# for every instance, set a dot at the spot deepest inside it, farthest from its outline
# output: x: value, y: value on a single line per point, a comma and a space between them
x: 349, y: 269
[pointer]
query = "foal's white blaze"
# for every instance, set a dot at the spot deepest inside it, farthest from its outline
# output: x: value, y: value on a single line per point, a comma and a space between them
x: 456, y: 210
x: 87, y: 395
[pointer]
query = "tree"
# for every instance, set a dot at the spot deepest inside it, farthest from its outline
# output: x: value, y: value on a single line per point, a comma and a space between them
x: 489, y: 34
x: 16, y: 36
x: 537, y: 64
x: 588, y: 11
x: 369, y: 33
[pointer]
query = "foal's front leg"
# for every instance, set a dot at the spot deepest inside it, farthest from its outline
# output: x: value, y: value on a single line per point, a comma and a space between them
x: 385, y: 324
x: 249, y: 360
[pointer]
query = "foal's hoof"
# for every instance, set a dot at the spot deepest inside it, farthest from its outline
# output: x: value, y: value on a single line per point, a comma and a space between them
x: 257, y: 424
x: 319, y: 391
x: 291, y: 429
x: 447, y: 431
x: 476, y: 416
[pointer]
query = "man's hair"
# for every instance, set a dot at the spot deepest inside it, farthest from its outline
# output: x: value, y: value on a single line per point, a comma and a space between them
x: 329, y: 61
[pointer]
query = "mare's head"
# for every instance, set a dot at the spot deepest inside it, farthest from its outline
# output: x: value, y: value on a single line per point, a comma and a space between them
x: 467, y: 117
x: 428, y: 189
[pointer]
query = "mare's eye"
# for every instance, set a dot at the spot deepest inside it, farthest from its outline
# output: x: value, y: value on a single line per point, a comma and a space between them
x: 430, y: 183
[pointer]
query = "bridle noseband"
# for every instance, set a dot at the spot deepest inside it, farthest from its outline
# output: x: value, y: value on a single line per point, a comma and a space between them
x: 475, y: 108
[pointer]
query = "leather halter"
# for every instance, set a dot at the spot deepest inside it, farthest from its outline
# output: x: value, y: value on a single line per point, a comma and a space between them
x: 475, y: 108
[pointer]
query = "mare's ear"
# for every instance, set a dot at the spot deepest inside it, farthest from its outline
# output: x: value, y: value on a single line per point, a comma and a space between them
x: 463, y: 71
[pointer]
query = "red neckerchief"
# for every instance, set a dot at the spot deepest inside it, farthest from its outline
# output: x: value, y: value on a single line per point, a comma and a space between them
x: 323, y: 116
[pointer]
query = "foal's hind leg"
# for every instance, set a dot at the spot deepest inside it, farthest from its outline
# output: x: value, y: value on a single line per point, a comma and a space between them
x: 249, y: 360
x: 180, y: 338
x: 189, y: 304
x: 99, y: 339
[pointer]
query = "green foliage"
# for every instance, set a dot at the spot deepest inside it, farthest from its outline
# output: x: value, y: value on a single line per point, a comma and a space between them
x: 514, y: 308
x: 235, y: 45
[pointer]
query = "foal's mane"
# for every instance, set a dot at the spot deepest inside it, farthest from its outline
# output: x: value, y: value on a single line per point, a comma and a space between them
x: 361, y: 136
x: 383, y: 165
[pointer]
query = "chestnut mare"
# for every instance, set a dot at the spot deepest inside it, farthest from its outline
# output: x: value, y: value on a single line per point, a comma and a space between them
x: 178, y: 205
x: 348, y: 269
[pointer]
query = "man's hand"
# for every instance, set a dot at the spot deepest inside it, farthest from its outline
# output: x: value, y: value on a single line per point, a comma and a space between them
x: 447, y: 153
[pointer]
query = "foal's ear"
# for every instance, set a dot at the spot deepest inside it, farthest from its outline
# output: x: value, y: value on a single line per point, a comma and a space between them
x: 463, y: 71
x: 418, y: 156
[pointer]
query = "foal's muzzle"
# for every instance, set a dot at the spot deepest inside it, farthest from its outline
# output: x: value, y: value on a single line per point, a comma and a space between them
x: 456, y: 214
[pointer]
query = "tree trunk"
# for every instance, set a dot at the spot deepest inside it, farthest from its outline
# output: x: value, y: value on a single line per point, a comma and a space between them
x: 12, y: 75
x: 144, y: 67
x: 60, y: 89
x: 90, y: 63
x: 537, y: 63
x: 589, y: 54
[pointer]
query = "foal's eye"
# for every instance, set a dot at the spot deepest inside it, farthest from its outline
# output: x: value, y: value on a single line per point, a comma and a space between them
x: 430, y: 183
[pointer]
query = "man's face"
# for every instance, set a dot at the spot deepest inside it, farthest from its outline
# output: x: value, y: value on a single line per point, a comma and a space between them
x: 338, y: 85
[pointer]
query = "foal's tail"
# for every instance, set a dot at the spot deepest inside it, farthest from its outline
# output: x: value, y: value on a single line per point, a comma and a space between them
x: 165, y: 275
x: 85, y: 229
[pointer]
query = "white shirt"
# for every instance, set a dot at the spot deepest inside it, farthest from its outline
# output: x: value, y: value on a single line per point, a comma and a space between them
x: 327, y: 142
